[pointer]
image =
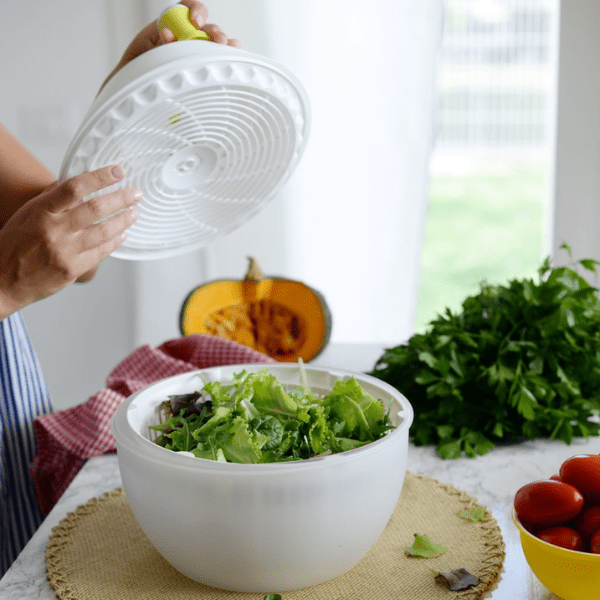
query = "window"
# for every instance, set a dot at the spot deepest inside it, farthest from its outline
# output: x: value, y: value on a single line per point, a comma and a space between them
x: 491, y: 168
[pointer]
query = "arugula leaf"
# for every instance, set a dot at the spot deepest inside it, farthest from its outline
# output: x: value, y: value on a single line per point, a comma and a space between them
x: 518, y: 361
x: 220, y: 416
x: 424, y: 548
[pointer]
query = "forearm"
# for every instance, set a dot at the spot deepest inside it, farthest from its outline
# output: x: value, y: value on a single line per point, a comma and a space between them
x: 22, y: 175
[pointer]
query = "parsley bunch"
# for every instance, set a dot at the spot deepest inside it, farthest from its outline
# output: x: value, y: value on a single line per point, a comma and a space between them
x: 520, y: 361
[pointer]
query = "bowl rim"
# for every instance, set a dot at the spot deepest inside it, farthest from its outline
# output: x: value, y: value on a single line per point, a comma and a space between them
x: 590, y: 555
x: 145, y: 448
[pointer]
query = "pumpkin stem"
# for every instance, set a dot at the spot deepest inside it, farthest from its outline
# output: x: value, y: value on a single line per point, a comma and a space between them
x: 254, y: 273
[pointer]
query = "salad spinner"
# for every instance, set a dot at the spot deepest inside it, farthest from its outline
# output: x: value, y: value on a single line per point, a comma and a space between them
x: 207, y: 132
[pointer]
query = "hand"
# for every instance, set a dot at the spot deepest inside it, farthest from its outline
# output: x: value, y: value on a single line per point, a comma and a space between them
x: 56, y: 239
x: 150, y: 37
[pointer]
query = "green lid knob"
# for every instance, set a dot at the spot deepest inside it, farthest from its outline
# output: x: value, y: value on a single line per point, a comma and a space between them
x: 177, y: 19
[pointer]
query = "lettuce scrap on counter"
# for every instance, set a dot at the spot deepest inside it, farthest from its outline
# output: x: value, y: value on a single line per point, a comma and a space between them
x: 254, y: 419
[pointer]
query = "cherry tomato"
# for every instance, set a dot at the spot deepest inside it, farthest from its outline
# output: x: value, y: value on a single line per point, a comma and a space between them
x: 588, y: 522
x: 557, y: 477
x: 565, y: 537
x: 583, y: 472
x: 529, y: 527
x: 548, y: 502
x: 595, y: 543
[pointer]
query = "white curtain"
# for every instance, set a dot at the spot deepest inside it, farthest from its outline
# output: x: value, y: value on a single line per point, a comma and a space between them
x: 350, y: 220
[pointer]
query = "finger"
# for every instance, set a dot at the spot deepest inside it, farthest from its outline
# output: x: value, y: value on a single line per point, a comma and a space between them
x: 98, y: 234
x: 91, y: 259
x: 198, y: 12
x: 98, y: 208
x: 71, y: 191
x: 234, y: 43
x: 87, y: 276
x: 149, y: 38
x: 215, y: 33
x: 167, y: 35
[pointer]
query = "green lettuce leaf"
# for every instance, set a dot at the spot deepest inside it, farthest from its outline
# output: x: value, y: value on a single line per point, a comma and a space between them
x: 423, y: 547
x: 239, y: 444
x: 362, y: 414
x: 218, y: 392
x: 318, y: 432
x: 475, y: 513
x: 270, y: 398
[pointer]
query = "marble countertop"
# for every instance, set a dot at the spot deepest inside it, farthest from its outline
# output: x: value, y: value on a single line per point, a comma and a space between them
x: 493, y: 479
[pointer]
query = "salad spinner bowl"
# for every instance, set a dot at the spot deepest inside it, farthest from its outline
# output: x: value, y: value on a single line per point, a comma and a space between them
x: 261, y: 527
x: 569, y: 574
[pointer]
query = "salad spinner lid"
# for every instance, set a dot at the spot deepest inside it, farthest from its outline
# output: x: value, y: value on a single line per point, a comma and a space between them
x: 207, y: 132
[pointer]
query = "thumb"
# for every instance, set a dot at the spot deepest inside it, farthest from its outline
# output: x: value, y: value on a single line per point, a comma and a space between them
x: 87, y: 276
x: 166, y: 35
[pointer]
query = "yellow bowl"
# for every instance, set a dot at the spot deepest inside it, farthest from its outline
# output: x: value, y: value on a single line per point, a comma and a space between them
x: 569, y: 574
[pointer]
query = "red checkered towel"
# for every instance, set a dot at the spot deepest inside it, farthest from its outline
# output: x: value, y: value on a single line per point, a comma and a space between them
x: 67, y: 438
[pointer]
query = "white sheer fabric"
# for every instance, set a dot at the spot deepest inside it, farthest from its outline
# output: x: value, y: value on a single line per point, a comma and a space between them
x: 349, y: 222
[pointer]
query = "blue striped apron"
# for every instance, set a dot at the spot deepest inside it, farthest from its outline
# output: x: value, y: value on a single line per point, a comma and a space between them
x: 23, y: 397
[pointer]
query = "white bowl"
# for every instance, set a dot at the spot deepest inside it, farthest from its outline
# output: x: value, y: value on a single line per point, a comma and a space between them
x: 261, y: 527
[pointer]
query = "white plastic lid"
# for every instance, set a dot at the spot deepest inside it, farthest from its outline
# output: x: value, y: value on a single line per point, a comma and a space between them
x: 209, y: 133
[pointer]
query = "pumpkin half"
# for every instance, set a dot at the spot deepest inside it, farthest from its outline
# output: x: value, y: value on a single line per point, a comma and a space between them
x: 283, y: 318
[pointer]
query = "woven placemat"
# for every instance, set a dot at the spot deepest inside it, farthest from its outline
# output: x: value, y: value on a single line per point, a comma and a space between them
x: 99, y: 552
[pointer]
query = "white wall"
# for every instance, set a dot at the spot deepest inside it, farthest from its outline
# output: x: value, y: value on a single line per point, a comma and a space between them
x: 577, y: 180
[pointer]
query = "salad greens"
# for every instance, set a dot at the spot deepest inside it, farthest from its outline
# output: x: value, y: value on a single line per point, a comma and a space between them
x: 519, y: 361
x: 254, y: 419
